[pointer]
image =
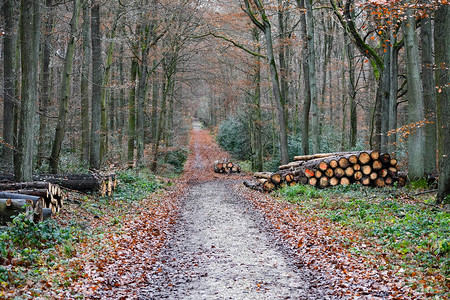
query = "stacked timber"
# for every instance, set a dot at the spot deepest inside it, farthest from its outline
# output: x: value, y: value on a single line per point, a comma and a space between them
x: 12, y: 204
x: 51, y: 194
x: 368, y: 168
x: 225, y: 166
x: 104, y: 184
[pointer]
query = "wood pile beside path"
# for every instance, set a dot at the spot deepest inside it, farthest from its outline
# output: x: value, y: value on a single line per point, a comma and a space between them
x: 368, y: 168
x: 225, y: 166
x: 43, y: 196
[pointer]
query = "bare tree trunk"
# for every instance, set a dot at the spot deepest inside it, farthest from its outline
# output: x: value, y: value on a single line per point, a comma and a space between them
x: 29, y: 40
x: 85, y: 74
x: 44, y: 102
x: 132, y: 112
x: 155, y: 94
x: 97, y: 80
x: 257, y: 106
x: 10, y: 15
x: 307, y: 88
x: 65, y: 91
x: 392, y: 110
x: 415, y: 99
x: 266, y: 28
x: 442, y: 60
x: 312, y: 76
x: 429, y: 96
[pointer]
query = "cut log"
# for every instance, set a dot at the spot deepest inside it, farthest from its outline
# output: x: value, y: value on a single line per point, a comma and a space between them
x: 265, y: 175
x: 343, y: 162
x: 323, y: 181
x: 268, y: 186
x: 364, y: 158
x: 323, y: 166
x: 275, y: 178
x: 309, y: 173
x: 388, y: 180
x: 377, y: 165
x: 392, y: 171
x: 379, y: 182
x: 339, y: 172
x: 383, y: 173
x: 334, y: 181
x: 357, y: 167
x: 393, y: 162
x: 302, y: 180
x: 333, y: 163
x: 365, y: 180
x: 312, y: 181
x: 358, y: 175
x: 345, y: 181
x: 12, y: 207
x: 289, y: 177
x: 349, y: 171
x: 385, y: 159
x: 366, y: 169
x: 329, y: 172
x: 353, y: 159
x: 375, y: 154
x: 373, y: 176
x: 318, y: 174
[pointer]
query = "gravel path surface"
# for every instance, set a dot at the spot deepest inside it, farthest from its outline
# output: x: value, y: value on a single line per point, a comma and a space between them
x: 222, y: 248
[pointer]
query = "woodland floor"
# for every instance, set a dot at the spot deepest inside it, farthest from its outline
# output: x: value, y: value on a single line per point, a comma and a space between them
x: 208, y: 237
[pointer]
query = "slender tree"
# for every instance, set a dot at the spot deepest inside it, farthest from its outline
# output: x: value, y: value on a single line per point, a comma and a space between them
x: 442, y: 59
x: 65, y: 90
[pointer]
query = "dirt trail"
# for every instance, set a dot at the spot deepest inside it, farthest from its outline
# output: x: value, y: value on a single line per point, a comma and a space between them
x: 221, y: 247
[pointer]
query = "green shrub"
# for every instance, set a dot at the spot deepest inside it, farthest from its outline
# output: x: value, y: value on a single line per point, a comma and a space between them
x: 233, y: 138
x: 177, y: 158
x: 132, y: 186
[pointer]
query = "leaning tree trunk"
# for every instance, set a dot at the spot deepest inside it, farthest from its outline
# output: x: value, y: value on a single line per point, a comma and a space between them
x: 442, y: 57
x: 65, y: 89
x: 29, y: 40
x: 10, y: 15
x: 415, y: 100
x: 97, y: 80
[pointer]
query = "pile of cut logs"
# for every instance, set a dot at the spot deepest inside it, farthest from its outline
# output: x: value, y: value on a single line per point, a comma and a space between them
x: 368, y: 168
x: 225, y: 166
x: 44, y: 195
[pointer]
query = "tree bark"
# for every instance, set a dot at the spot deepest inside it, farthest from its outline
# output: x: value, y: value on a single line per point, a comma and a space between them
x: 97, y: 80
x: 429, y: 96
x: 65, y: 91
x: 84, y: 84
x: 29, y: 40
x: 10, y: 15
x: 257, y: 105
x: 132, y: 113
x: 415, y: 100
x: 442, y: 60
x: 265, y: 26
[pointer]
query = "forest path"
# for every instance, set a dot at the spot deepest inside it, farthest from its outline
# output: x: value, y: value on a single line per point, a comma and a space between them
x: 221, y: 246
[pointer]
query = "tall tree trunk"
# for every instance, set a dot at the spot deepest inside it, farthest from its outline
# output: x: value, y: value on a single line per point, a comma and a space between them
x: 142, y: 86
x: 29, y: 40
x: 121, y: 108
x: 442, y: 60
x: 393, y: 74
x: 257, y: 105
x: 307, y: 88
x: 65, y: 91
x: 429, y: 96
x: 161, y: 119
x: 266, y: 28
x: 44, y: 102
x: 97, y: 80
x: 155, y: 95
x: 415, y: 99
x: 312, y: 76
x: 84, y: 84
x: 10, y: 15
x: 132, y: 113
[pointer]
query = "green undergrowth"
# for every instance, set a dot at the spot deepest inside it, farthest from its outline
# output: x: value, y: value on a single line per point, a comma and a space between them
x: 25, y: 247
x: 415, y: 231
x: 31, y: 255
